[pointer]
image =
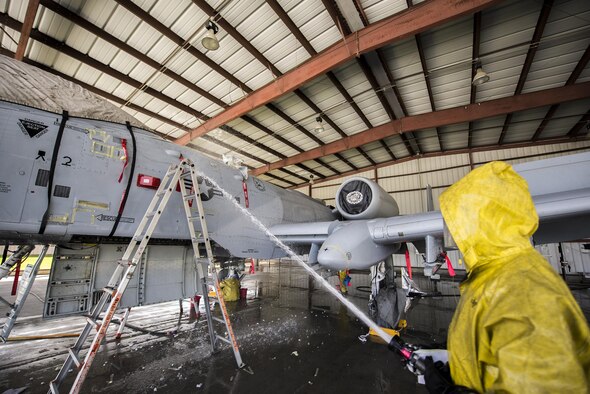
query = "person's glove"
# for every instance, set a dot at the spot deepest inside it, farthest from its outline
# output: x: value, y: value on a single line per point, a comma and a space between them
x: 435, y: 354
x: 438, y: 378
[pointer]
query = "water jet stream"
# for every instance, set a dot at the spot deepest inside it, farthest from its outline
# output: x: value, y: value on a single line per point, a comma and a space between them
x: 353, y: 308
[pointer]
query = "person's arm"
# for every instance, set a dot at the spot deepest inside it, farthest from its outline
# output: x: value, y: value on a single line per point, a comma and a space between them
x: 529, y: 347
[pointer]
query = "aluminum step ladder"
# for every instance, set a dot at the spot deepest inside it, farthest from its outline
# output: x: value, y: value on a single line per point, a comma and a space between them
x: 124, y: 271
x: 193, y: 206
x: 24, y: 288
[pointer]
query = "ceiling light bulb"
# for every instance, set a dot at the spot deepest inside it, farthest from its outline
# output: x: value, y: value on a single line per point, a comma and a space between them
x: 319, y: 128
x: 210, y: 40
x: 480, y: 75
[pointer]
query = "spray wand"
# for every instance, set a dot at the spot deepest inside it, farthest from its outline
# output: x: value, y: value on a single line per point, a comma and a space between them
x: 408, y: 353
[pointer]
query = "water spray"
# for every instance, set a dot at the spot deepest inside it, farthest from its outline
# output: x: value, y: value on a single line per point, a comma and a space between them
x: 353, y: 308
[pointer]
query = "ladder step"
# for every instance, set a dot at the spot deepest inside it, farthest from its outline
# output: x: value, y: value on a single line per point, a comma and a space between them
x: 109, y: 290
x: 218, y: 320
x: 194, y: 218
x: 74, y: 357
x: 189, y: 196
x: 186, y: 174
x: 172, y: 170
x: 53, y: 388
x: 152, y: 214
x: 93, y: 322
x: 223, y: 339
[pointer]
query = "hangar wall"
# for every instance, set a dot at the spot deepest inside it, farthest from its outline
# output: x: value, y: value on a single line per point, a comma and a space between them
x: 407, y: 181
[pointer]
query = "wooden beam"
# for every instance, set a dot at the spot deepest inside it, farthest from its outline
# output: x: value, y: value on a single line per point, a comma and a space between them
x: 26, y: 29
x: 405, y: 24
x: 461, y: 114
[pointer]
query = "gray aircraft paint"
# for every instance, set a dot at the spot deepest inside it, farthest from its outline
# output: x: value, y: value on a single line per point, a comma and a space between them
x: 87, y: 192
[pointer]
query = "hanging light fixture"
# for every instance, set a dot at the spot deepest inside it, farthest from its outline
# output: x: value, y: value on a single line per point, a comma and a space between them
x: 319, y: 128
x: 480, y: 75
x: 210, y: 40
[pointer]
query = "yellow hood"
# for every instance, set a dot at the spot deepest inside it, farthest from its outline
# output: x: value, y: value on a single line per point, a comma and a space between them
x: 490, y: 214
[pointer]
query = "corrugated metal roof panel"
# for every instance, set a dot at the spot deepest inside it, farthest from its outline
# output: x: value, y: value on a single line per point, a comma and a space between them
x: 8, y: 37
x: 40, y: 53
x: 188, y: 23
x: 524, y: 124
x: 553, y: 65
x: 18, y: 10
x: 123, y: 90
x: 103, y: 51
x: 125, y: 63
x: 314, y: 22
x: 428, y: 140
x: 122, y: 24
x: 487, y: 131
x: 107, y: 83
x: 454, y: 136
x: 52, y: 24
x: 504, y: 75
x: 97, y: 12
x: 566, y: 116
x: 562, y: 45
x: 65, y: 65
x: 239, y: 62
x: 449, y: 45
x: 375, y: 10
x: 506, y: 25
x: 79, y: 39
x: 85, y: 73
x: 169, y: 13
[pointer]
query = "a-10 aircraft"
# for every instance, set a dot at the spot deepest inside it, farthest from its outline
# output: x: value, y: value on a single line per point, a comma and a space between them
x: 74, y: 168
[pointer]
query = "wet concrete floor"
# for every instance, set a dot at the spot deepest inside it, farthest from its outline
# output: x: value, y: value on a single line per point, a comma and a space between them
x: 294, y: 340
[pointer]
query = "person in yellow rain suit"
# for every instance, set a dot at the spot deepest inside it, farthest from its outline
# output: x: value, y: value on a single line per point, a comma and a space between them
x: 517, y: 328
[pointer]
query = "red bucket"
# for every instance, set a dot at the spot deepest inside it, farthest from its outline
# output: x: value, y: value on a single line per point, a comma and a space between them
x: 243, y: 293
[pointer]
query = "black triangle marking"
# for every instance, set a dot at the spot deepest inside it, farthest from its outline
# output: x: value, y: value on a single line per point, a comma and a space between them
x: 31, y: 127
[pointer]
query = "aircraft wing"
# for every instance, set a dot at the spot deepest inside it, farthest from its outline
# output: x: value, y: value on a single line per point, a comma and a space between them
x: 560, y: 188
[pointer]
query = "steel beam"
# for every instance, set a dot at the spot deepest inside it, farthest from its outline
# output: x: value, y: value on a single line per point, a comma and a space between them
x: 405, y: 24
x: 540, y: 27
x: 461, y: 114
x: 25, y: 32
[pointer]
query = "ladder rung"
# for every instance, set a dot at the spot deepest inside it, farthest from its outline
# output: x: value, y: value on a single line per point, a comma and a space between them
x: 123, y: 263
x: 53, y: 387
x: 200, y: 240
x: 189, y: 196
x: 171, y: 171
x: 152, y: 214
x: 194, y: 218
x: 185, y: 174
x: 224, y: 339
x: 93, y: 322
x: 110, y: 290
x: 74, y: 357
x: 218, y: 320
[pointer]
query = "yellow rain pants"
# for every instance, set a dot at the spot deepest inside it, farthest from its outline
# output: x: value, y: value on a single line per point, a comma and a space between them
x: 517, y: 328
x: 230, y: 289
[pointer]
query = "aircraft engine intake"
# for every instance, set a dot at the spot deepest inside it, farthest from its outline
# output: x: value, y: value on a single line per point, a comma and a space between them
x: 362, y: 198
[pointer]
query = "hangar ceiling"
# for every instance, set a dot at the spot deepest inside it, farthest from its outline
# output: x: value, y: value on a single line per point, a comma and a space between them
x: 391, y: 80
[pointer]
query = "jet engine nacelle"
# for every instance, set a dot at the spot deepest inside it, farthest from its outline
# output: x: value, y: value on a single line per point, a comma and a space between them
x: 362, y: 198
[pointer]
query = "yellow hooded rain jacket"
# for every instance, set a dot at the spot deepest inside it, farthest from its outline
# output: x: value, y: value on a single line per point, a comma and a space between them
x: 517, y: 328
